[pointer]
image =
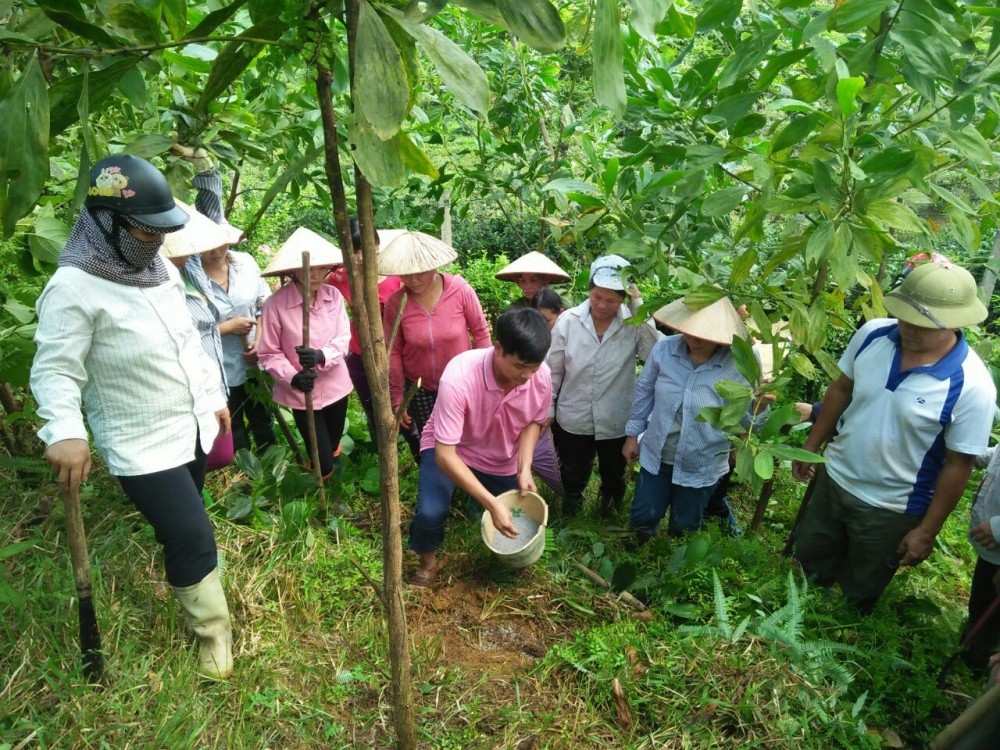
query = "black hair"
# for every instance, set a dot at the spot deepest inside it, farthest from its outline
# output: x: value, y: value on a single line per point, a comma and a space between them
x: 616, y: 291
x: 356, y: 234
x: 546, y: 299
x: 524, y: 333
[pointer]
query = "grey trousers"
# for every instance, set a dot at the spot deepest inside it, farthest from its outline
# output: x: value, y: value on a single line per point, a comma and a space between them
x: 844, y: 540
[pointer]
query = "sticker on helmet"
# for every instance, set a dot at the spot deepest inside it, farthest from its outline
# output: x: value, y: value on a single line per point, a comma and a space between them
x: 111, y: 182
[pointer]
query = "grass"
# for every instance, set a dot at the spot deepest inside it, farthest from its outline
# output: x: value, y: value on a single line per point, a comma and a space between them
x: 501, y: 660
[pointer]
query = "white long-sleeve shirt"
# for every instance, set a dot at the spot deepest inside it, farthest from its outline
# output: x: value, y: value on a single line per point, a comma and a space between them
x: 593, y: 377
x: 131, y: 355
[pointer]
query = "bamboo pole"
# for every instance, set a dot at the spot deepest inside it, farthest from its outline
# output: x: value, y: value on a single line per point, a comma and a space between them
x: 90, y: 634
x: 310, y: 413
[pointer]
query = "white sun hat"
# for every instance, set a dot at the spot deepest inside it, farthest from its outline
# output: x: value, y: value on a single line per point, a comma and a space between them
x: 606, y: 272
x: 718, y: 322
x: 408, y: 252
x: 199, y: 235
x: 322, y: 252
x: 533, y: 262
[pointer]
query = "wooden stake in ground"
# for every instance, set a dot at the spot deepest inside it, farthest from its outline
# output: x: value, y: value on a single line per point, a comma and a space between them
x: 986, y: 704
x: 310, y: 416
x: 90, y: 634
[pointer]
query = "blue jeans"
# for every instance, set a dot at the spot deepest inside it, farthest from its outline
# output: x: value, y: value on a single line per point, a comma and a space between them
x: 654, y: 493
x: 434, y: 499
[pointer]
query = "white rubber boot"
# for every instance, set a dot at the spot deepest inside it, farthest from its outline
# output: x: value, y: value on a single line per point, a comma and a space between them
x: 206, y: 608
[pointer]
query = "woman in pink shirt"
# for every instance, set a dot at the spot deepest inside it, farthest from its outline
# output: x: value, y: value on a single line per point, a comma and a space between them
x: 320, y: 367
x: 440, y: 316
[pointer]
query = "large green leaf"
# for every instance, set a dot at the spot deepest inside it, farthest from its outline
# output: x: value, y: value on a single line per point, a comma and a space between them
x: 847, y: 92
x: 855, y: 14
x: 972, y: 145
x: 609, y: 78
x: 70, y: 15
x: 745, y: 360
x: 646, y: 15
x: 460, y: 73
x: 723, y: 202
x: 48, y: 239
x: 24, y: 146
x: 175, y: 13
x: 381, y: 161
x: 895, y: 215
x: 148, y: 145
x: 485, y: 9
x: 746, y: 57
x: 381, y: 88
x: 933, y: 56
x: 235, y: 58
x: 537, y: 23
x: 215, y: 19
x: 64, y: 94
x: 794, y: 132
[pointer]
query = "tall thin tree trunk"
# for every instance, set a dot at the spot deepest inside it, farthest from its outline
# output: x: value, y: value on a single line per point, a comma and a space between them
x: 365, y: 307
x: 989, y: 280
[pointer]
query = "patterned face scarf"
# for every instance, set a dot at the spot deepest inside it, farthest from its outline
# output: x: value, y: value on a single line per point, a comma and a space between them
x: 101, y: 245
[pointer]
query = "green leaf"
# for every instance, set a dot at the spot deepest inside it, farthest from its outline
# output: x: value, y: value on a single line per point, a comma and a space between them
x: 610, y: 175
x: 971, y: 145
x: 732, y: 108
x: 24, y: 146
x: 742, y: 266
x: 235, y: 58
x: 485, y: 9
x: 48, y: 239
x: 744, y: 462
x: 746, y: 57
x: 802, y: 365
x: 175, y: 12
x: 681, y: 24
x: 723, y: 202
x: 569, y: 185
x: 763, y: 464
x: 381, y: 89
x: 215, y: 19
x: 148, y: 145
x: 892, y: 160
x: 895, y: 215
x: 70, y: 15
x: 419, y: 11
x: 965, y: 232
x: 819, y: 241
x: 460, y: 74
x: 794, y: 132
x: 854, y: 15
x: 931, y: 55
x: 380, y: 161
x: 609, y: 77
x: 718, y: 13
x: 537, y: 23
x: 17, y: 548
x: 646, y: 15
x: 415, y: 158
x: 747, y: 125
x: 746, y: 360
x: 703, y: 296
x: 790, y: 453
x: 950, y: 197
x: 64, y: 94
x: 776, y: 420
x: 847, y: 92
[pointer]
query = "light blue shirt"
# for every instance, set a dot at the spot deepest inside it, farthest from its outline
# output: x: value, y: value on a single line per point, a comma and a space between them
x: 671, y: 385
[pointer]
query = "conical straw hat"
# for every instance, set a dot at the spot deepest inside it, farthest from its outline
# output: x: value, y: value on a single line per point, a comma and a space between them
x: 412, y: 252
x: 322, y: 252
x: 199, y: 235
x: 234, y: 235
x: 718, y: 322
x: 533, y: 262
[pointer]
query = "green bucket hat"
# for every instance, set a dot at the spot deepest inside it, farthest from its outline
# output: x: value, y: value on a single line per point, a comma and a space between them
x: 937, y: 295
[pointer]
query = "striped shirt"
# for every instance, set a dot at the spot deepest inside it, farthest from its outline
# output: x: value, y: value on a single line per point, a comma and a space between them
x: 671, y: 385
x: 132, y: 357
x: 204, y: 313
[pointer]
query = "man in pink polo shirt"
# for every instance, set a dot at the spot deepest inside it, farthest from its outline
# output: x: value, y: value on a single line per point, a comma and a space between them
x: 482, y: 433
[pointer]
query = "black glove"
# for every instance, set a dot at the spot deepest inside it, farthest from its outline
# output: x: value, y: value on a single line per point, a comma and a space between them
x: 310, y: 357
x: 304, y: 381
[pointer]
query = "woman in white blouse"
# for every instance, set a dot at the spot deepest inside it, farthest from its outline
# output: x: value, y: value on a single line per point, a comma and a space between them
x: 114, y: 335
x: 593, y: 361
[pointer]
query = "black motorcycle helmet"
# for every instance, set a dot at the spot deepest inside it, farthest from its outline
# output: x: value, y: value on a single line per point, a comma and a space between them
x: 134, y: 188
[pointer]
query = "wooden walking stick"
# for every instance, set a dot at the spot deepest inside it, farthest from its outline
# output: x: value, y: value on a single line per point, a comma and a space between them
x: 310, y: 415
x: 790, y: 542
x: 90, y: 635
x: 967, y: 640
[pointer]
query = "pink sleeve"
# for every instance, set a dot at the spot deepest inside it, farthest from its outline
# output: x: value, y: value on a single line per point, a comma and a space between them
x: 271, y: 357
x: 337, y: 347
x: 449, y: 414
x: 396, y: 353
x: 475, y: 319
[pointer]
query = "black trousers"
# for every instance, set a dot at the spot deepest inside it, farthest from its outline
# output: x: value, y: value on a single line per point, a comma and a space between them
x: 981, y: 595
x: 244, y: 407
x: 171, y: 501
x: 576, y: 463
x: 329, y: 429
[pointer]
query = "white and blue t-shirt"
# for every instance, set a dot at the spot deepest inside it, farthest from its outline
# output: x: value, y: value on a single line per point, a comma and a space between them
x: 891, y: 439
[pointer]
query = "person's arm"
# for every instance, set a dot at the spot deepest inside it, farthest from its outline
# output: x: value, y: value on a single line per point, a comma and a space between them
x: 556, y: 360
x: 335, y: 350
x: 642, y: 407
x: 58, y: 375
x: 648, y: 337
x: 918, y: 544
x: 476, y: 320
x: 455, y: 469
x: 272, y: 358
x: 838, y: 397
x: 526, y: 443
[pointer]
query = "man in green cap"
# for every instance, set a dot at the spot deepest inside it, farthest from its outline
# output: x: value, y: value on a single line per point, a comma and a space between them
x: 911, y: 410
